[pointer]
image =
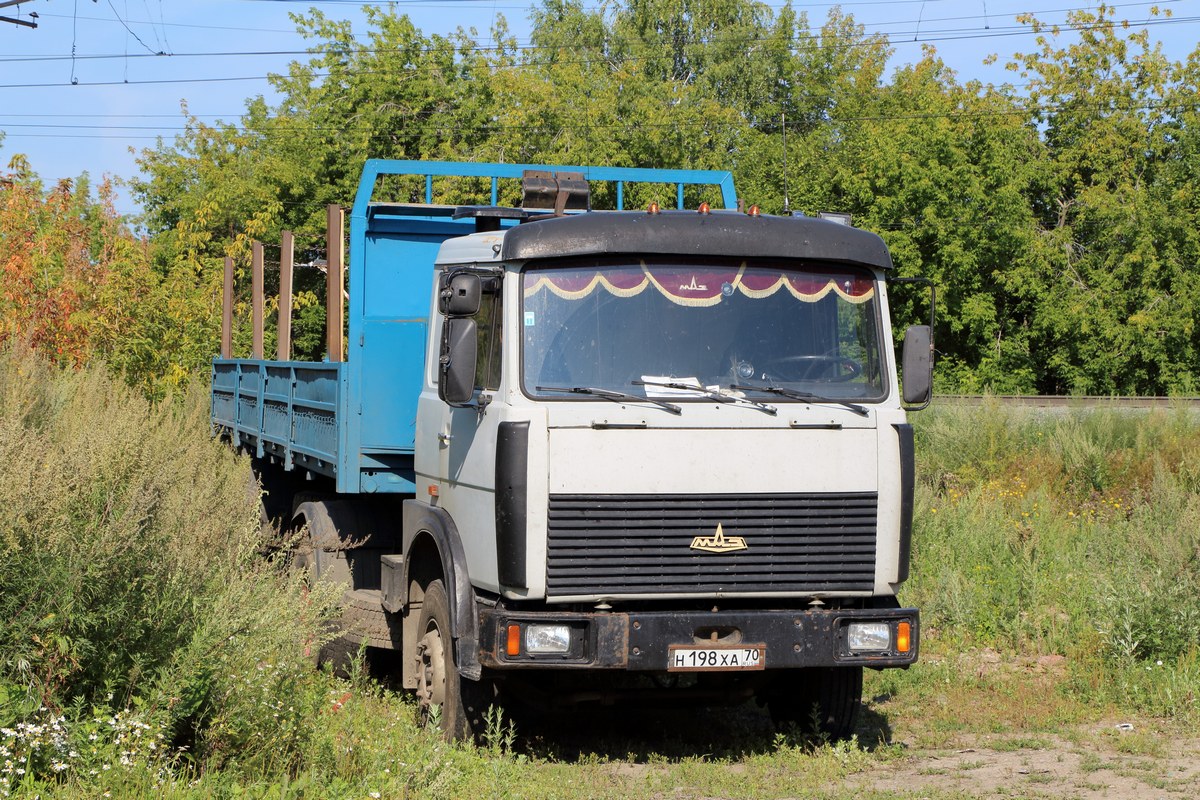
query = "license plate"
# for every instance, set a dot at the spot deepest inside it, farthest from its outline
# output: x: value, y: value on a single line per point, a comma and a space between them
x: 689, y: 658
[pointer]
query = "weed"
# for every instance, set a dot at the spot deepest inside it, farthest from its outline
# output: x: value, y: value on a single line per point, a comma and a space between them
x: 499, y: 734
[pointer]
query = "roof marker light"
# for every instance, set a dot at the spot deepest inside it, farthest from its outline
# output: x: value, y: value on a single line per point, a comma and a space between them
x: 754, y: 210
x: 653, y: 208
x: 703, y: 209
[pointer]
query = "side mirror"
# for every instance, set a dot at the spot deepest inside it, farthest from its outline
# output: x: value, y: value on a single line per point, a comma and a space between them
x: 917, y: 363
x: 460, y: 295
x: 456, y: 364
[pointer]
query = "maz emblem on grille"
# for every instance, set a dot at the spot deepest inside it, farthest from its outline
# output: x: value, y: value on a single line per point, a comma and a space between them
x: 719, y: 543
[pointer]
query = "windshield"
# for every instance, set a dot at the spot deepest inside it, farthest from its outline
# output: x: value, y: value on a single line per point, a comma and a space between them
x: 654, y: 328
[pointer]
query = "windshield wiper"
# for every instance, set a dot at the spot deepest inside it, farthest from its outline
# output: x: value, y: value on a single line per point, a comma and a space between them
x: 796, y: 394
x: 609, y: 394
x: 709, y: 393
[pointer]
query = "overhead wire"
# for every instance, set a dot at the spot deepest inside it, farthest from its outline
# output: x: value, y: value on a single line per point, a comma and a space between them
x: 898, y: 36
x: 587, y: 124
x: 131, y: 32
x: 992, y: 33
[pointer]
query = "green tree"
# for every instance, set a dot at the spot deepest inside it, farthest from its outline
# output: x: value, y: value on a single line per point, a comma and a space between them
x: 1114, y: 271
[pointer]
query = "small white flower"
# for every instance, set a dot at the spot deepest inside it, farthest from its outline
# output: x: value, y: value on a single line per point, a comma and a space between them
x: 375, y: 795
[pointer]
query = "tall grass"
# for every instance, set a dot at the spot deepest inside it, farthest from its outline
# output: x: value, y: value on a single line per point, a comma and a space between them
x: 1073, y: 533
x: 118, y: 521
x: 131, y: 579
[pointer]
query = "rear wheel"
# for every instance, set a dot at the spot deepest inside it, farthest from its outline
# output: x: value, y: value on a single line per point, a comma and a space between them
x: 823, y: 701
x: 333, y: 649
x: 456, y: 703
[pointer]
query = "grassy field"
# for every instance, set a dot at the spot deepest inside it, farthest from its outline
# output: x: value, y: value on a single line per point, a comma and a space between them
x: 147, y: 649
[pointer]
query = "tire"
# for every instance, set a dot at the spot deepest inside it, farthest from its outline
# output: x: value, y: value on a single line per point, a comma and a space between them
x: 458, y: 704
x: 833, y: 694
x: 336, y: 651
x: 366, y: 621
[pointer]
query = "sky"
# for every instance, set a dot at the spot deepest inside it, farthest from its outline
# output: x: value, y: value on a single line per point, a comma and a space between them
x: 98, y: 80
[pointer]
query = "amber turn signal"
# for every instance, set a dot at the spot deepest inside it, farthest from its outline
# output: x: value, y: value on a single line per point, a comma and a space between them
x: 513, y: 646
x: 903, y: 637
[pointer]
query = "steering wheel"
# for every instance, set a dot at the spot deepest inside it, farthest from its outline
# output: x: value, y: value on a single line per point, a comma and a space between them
x: 804, y: 364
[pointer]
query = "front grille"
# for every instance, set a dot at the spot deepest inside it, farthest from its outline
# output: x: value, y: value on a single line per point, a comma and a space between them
x: 612, y: 545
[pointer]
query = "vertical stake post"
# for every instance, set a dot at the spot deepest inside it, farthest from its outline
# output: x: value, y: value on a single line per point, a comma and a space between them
x: 227, y: 311
x: 287, y: 249
x: 334, y: 281
x: 256, y: 300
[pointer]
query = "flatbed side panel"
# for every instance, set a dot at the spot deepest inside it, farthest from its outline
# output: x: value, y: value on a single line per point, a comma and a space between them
x: 224, y: 394
x: 283, y: 409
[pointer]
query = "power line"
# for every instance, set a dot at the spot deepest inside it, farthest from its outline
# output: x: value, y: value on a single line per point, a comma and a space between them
x: 1021, y: 110
x: 158, y: 82
x: 1010, y: 31
x: 900, y: 36
x: 131, y: 33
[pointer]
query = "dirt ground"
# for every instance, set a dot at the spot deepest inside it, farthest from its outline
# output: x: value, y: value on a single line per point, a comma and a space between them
x: 1108, y: 760
x: 1006, y: 735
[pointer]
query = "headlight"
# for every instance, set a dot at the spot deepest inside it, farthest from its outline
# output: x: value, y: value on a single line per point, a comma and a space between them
x: 547, y: 639
x: 862, y: 636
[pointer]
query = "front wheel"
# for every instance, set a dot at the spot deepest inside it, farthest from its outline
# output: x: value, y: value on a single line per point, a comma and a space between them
x: 821, y: 700
x: 458, y: 704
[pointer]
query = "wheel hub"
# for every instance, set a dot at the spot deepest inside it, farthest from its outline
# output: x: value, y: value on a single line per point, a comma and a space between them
x: 431, y: 669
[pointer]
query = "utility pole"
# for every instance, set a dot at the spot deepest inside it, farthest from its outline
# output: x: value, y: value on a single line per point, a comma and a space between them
x: 28, y: 23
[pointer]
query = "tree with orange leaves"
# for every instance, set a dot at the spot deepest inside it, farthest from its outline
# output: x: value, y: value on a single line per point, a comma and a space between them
x: 48, y: 240
x: 77, y: 284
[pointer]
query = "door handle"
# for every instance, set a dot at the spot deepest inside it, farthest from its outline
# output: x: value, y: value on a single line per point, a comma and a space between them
x: 444, y: 439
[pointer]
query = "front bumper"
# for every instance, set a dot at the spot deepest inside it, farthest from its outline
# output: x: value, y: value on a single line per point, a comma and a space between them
x: 641, y: 641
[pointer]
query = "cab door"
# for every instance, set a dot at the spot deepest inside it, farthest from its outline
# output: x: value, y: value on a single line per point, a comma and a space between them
x: 466, y: 445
